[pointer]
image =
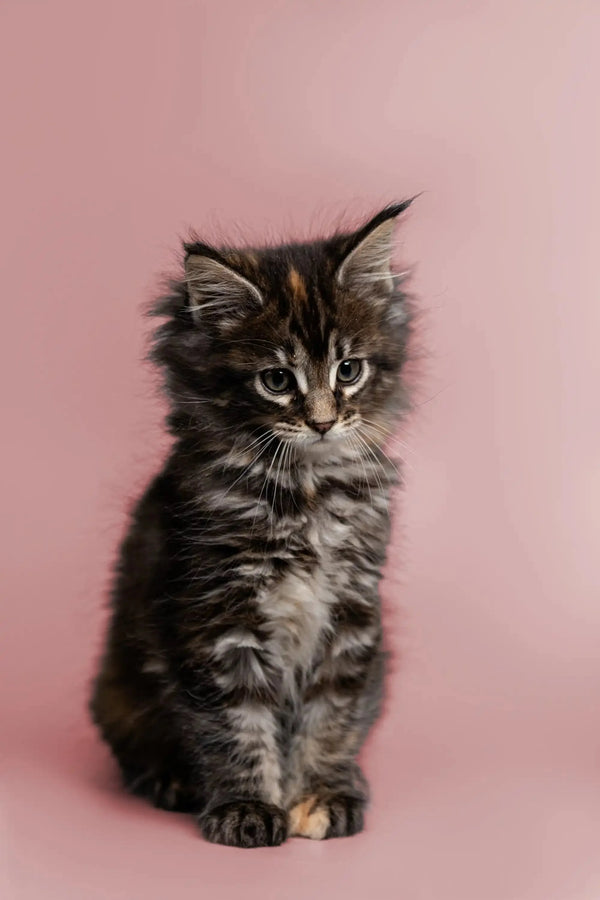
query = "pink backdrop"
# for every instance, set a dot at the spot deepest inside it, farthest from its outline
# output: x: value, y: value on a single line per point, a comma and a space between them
x: 126, y: 122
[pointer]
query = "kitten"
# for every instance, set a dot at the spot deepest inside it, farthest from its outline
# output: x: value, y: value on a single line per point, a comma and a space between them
x: 243, y: 666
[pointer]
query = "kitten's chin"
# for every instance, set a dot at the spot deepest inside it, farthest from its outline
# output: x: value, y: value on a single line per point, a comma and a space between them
x: 330, y: 446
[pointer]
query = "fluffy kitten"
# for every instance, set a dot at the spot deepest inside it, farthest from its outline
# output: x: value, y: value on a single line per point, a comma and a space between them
x: 243, y: 665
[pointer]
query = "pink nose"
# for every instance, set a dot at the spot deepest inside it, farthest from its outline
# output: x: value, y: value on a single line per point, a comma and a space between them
x: 322, y: 427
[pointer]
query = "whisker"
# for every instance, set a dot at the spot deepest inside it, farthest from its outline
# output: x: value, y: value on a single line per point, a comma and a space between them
x: 264, y: 484
x: 356, y: 445
x: 405, y: 462
x: 270, y: 438
x: 389, y: 435
x: 279, y: 484
x: 373, y: 457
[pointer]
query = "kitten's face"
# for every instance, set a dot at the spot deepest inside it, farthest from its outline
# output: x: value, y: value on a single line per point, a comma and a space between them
x: 302, y: 343
x: 313, y: 369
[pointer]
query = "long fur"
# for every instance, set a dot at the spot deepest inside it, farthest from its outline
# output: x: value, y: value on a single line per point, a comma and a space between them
x: 243, y: 664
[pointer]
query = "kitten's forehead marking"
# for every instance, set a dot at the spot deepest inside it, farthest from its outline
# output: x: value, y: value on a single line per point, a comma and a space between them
x: 301, y: 380
x: 332, y: 359
x: 297, y: 284
x: 333, y: 376
x: 307, y: 371
x: 298, y: 361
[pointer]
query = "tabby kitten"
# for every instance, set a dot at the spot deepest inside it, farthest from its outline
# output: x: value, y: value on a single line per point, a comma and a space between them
x: 243, y: 665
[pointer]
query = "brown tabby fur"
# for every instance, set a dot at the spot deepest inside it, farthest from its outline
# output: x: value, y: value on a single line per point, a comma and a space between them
x: 243, y: 664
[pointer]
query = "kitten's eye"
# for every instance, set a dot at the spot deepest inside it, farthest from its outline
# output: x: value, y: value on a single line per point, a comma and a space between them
x: 278, y: 381
x: 349, y: 371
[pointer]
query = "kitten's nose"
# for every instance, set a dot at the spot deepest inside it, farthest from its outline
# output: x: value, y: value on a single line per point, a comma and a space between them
x: 322, y: 427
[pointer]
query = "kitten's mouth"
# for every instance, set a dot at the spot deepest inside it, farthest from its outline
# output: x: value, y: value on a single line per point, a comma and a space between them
x: 329, y: 437
x: 310, y: 439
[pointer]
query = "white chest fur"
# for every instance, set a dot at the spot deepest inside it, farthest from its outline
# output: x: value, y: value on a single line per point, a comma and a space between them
x: 298, y: 606
x: 298, y: 615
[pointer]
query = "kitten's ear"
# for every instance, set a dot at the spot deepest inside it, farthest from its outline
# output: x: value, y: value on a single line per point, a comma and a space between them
x: 217, y: 293
x: 367, y: 264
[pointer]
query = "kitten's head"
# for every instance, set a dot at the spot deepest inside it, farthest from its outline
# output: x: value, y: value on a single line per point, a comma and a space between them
x: 302, y: 343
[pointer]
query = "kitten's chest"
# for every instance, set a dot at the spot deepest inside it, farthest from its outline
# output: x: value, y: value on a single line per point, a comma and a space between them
x: 298, y: 605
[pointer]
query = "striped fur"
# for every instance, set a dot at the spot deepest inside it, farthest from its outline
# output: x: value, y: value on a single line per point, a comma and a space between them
x: 243, y: 664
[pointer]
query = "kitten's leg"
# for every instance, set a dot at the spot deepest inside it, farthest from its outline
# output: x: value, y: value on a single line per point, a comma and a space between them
x: 212, y: 749
x: 242, y: 774
x: 327, y: 790
x: 232, y: 734
x: 128, y: 706
x: 219, y: 761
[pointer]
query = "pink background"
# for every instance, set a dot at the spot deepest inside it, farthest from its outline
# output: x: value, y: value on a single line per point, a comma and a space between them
x: 123, y: 124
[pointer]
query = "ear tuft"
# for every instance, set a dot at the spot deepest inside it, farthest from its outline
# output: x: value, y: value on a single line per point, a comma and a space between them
x: 218, y: 294
x: 367, y: 264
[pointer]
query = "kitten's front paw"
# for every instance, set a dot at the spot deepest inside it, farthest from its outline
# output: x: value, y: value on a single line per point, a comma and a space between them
x: 245, y: 823
x: 334, y: 816
x: 346, y: 816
